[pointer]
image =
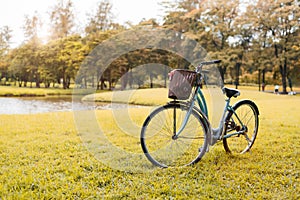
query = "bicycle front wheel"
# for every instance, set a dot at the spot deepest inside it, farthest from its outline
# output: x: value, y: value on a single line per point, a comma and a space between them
x: 242, y: 124
x: 159, y: 145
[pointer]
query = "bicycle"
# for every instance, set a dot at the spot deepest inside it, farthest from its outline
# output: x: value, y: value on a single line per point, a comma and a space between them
x: 179, y: 133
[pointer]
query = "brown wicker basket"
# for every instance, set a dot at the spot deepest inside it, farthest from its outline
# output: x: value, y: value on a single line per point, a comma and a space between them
x: 181, y: 83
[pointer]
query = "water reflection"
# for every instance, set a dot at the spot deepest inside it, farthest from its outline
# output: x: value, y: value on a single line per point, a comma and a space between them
x: 32, y: 105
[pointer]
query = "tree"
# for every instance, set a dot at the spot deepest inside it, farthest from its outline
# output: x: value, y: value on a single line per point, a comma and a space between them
x: 189, y: 5
x: 66, y: 55
x: 19, y: 64
x: 62, y: 19
x: 212, y: 24
x: 180, y: 5
x: 278, y: 23
x: 241, y: 44
x: 102, y: 19
x: 91, y: 70
x: 294, y: 72
x: 5, y: 36
x: 30, y: 28
x: 175, y: 12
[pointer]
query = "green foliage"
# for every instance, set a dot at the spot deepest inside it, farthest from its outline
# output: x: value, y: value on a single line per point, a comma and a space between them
x: 278, y: 26
x: 248, y: 36
x: 262, y: 36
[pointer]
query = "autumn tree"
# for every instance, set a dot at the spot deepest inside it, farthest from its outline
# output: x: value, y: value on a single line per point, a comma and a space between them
x: 91, y: 70
x: 31, y: 26
x: 294, y: 72
x: 64, y: 58
x: 212, y: 24
x: 5, y: 37
x: 102, y: 19
x: 19, y: 63
x: 62, y: 19
x: 241, y: 43
x: 175, y: 12
x: 278, y: 23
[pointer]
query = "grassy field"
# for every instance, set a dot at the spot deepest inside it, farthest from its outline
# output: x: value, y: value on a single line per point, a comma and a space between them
x: 67, y: 156
x: 14, y: 91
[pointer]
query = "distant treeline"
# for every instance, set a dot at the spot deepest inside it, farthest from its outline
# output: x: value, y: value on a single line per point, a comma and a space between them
x: 257, y: 41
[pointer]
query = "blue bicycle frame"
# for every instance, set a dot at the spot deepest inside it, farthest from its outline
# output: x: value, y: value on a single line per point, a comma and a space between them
x: 199, y: 97
x: 217, y: 133
x: 201, y: 101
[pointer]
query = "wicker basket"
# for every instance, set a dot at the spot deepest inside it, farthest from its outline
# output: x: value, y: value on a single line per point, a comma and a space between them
x: 181, y: 83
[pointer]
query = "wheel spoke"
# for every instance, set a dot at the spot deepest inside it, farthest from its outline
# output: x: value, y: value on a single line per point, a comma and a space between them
x: 247, y: 138
x: 247, y: 115
x: 157, y: 132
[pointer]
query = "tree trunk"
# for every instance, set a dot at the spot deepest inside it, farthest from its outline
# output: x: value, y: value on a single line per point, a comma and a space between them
x: 93, y: 82
x: 47, y: 84
x: 264, y: 76
x: 222, y: 71
x: 124, y: 81
x: 151, y: 80
x: 65, y: 82
x: 37, y: 79
x: 237, y: 79
x: 130, y: 78
x: 283, y: 72
x: 109, y: 80
x: 85, y: 83
x: 98, y: 85
x: 102, y: 84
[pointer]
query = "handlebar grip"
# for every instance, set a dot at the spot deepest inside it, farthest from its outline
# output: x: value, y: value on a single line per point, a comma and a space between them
x: 199, y: 68
x: 211, y: 62
x: 217, y: 61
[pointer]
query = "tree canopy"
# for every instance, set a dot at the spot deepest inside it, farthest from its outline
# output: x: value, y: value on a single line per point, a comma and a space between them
x: 257, y: 41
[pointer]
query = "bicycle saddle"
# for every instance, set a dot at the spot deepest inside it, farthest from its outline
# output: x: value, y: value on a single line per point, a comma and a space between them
x: 231, y: 92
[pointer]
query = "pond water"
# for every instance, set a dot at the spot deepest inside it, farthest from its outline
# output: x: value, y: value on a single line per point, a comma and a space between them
x: 32, y: 105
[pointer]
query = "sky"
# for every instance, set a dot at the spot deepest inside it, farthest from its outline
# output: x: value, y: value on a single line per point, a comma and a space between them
x: 12, y: 12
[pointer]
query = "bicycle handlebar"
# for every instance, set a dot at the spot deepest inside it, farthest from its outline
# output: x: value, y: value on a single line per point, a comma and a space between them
x: 210, y: 62
x: 199, y: 68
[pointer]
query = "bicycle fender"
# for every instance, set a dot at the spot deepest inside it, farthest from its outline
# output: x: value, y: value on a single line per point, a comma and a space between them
x: 246, y: 101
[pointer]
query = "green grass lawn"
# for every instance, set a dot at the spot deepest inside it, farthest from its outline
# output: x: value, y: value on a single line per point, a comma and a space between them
x: 14, y: 91
x: 51, y: 155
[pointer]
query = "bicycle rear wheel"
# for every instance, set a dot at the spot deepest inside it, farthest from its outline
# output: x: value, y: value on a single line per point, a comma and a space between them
x: 245, y: 121
x: 158, y: 143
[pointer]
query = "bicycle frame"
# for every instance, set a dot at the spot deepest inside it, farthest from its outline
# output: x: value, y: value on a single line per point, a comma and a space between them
x: 230, y: 109
x: 196, y: 97
x: 216, y: 133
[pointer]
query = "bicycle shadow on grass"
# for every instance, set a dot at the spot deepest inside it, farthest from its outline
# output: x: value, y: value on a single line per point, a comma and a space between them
x: 218, y: 157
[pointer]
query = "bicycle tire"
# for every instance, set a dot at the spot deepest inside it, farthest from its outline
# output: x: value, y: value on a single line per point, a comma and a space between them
x: 156, y: 136
x: 248, y: 113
